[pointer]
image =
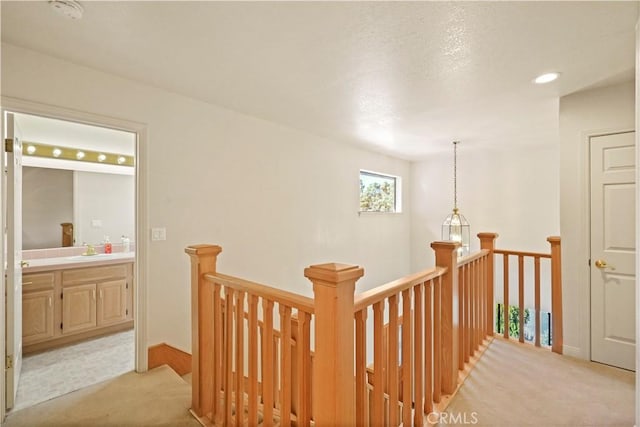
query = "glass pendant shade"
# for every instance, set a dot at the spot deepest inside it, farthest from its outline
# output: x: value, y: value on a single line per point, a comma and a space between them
x: 456, y: 228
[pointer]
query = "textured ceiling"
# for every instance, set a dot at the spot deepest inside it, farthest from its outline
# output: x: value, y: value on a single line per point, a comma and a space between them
x: 404, y: 78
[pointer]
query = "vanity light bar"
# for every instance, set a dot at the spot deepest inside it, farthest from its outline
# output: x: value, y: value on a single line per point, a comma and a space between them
x: 36, y: 149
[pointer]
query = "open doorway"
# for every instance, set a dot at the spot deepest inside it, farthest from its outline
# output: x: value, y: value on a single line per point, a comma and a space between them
x: 72, y: 323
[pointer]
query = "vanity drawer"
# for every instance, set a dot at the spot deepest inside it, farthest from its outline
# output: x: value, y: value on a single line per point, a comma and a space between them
x: 94, y: 274
x: 37, y: 281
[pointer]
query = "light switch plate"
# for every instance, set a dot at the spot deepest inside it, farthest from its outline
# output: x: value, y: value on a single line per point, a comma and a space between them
x: 96, y: 223
x: 158, y: 234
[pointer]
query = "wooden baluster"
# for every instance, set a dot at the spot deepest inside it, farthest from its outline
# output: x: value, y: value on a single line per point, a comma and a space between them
x: 285, y: 364
x: 268, y: 362
x: 239, y: 358
x: 418, y: 362
x: 218, y: 348
x: 487, y: 241
x: 362, y: 410
x: 505, y: 306
x: 377, y: 403
x: 536, y: 290
x: 462, y: 313
x: 334, y: 396
x: 468, y: 349
x: 303, y: 366
x: 472, y: 308
x: 203, y: 261
x: 407, y: 359
x: 556, y: 294
x: 428, y: 349
x: 228, y: 358
x: 392, y: 368
x: 483, y: 300
x: 521, y: 298
x: 253, y: 361
x: 479, y: 318
x: 437, y: 341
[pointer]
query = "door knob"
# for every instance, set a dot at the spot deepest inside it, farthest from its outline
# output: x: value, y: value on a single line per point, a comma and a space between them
x: 602, y: 264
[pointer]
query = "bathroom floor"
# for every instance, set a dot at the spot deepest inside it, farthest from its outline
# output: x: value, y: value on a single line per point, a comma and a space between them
x: 63, y: 370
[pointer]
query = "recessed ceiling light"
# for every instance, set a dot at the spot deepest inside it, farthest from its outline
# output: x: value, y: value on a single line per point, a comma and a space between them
x: 69, y: 8
x: 546, y: 78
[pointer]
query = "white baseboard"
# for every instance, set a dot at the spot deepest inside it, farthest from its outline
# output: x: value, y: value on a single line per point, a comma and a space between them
x: 572, y: 351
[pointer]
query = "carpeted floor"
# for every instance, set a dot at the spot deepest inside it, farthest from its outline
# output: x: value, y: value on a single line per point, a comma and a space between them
x: 153, y: 399
x: 518, y: 385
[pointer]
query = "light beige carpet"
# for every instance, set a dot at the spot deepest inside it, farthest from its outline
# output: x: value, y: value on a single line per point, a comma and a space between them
x: 519, y: 385
x: 156, y: 398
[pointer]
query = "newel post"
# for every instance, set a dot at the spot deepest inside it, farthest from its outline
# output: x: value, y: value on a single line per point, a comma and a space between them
x: 488, y: 241
x: 333, y: 365
x: 203, y: 261
x: 447, y: 257
x: 556, y: 293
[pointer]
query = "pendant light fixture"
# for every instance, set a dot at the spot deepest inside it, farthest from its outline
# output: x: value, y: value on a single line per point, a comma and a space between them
x: 455, y: 227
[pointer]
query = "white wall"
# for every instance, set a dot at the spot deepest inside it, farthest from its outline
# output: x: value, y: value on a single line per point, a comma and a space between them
x: 276, y: 199
x: 107, y: 198
x: 582, y: 114
x: 513, y: 192
x: 47, y: 201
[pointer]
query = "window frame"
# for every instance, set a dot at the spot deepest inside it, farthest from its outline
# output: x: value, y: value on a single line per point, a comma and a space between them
x: 397, y: 191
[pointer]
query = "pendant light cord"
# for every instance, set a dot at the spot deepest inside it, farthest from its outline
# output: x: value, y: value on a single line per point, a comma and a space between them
x: 455, y: 173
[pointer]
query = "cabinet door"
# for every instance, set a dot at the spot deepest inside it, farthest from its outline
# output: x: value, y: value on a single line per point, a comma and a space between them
x: 37, y: 316
x: 112, y: 302
x: 78, y: 308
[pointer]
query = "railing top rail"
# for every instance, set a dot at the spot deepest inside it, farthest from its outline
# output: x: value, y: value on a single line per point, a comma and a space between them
x: 379, y: 293
x: 521, y: 253
x: 472, y: 257
x: 289, y: 299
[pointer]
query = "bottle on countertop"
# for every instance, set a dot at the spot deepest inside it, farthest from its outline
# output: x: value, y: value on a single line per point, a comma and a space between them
x: 126, y: 244
x: 107, y: 245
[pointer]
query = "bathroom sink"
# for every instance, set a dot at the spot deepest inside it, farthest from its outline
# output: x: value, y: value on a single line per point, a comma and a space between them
x: 88, y: 256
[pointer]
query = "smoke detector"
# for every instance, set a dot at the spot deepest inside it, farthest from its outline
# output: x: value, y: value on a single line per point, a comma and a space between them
x: 69, y: 8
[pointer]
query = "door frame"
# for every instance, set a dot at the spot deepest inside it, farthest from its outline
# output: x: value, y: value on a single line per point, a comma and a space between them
x: 141, y: 215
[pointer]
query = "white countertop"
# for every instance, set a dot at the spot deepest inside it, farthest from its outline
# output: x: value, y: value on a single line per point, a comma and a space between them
x: 77, y: 261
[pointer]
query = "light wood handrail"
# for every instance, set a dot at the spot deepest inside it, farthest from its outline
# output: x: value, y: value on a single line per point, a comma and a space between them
x: 472, y: 257
x: 380, y: 293
x: 521, y: 253
x: 289, y: 299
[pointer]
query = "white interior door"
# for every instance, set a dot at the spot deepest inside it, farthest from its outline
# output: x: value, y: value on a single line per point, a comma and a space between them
x: 613, y: 249
x: 13, y: 273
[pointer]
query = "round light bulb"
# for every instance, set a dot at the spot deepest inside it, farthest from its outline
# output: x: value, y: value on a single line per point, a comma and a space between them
x: 57, y: 152
x: 121, y: 160
x: 80, y: 155
x: 101, y: 157
x: 31, y: 149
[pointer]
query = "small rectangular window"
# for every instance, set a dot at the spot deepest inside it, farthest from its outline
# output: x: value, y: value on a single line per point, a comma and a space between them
x: 379, y: 192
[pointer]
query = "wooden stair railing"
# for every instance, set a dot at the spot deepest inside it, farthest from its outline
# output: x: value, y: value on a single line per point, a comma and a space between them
x: 391, y: 355
x: 556, y: 291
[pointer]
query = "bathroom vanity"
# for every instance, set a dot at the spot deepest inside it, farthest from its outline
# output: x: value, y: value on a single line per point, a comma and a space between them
x: 69, y: 299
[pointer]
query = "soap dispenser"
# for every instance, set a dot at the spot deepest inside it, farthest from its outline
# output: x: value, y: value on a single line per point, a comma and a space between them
x: 107, y: 245
x: 126, y: 244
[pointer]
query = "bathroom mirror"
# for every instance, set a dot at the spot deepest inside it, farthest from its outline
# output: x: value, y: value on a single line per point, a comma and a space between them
x: 97, y: 204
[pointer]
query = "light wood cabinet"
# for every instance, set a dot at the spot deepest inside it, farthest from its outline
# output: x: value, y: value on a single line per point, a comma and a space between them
x: 78, y: 308
x: 68, y: 305
x: 37, y: 316
x: 112, y: 302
